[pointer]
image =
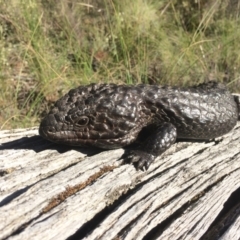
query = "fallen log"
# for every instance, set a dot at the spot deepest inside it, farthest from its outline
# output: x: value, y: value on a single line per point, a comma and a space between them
x: 50, y: 191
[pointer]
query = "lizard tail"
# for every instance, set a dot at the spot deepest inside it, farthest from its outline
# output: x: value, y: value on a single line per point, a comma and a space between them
x: 237, y: 100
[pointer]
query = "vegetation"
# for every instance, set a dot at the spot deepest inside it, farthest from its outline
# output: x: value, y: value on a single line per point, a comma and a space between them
x: 50, y: 46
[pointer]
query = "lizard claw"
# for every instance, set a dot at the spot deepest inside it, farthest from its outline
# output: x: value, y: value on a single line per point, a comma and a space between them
x: 140, y: 159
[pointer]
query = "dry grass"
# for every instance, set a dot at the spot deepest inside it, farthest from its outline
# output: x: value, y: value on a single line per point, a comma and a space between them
x: 49, y: 46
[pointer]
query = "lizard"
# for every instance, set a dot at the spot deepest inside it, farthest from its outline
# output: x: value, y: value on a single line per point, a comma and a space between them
x: 111, y: 116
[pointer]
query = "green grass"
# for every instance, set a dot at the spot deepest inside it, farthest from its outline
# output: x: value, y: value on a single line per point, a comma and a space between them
x: 49, y: 47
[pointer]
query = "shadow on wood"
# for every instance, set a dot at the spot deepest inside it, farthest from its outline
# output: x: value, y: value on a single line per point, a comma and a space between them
x: 50, y: 191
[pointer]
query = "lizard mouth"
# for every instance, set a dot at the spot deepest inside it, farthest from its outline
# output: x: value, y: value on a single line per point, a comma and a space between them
x: 54, y: 131
x: 70, y: 138
x: 62, y: 136
x: 58, y: 132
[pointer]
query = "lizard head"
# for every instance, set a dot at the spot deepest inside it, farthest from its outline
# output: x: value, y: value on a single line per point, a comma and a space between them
x: 100, y: 115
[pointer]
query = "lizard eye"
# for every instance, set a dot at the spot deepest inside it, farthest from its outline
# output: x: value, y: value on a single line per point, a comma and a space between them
x: 82, y: 121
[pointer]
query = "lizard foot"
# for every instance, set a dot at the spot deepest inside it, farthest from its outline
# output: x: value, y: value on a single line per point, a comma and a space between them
x: 140, y: 159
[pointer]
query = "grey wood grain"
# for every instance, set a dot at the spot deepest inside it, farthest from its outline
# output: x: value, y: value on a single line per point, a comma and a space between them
x: 50, y: 191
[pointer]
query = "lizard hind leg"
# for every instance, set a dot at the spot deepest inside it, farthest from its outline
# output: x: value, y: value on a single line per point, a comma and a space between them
x: 157, y: 143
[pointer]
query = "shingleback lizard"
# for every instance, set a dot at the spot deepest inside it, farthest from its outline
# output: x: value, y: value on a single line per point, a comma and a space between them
x: 112, y: 116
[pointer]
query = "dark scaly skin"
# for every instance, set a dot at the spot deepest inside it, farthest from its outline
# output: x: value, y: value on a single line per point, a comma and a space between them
x: 112, y: 116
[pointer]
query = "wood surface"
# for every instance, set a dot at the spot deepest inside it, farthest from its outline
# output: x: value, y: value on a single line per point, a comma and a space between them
x: 50, y: 191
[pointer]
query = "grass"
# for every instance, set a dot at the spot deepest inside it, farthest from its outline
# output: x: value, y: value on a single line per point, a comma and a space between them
x: 49, y: 47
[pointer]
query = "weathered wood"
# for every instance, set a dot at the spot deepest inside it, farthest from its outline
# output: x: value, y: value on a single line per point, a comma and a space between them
x: 50, y: 191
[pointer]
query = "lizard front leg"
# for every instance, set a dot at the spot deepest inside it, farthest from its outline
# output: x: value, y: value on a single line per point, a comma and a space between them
x: 157, y: 143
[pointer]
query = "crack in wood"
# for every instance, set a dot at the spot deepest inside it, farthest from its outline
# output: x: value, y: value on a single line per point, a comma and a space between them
x: 70, y: 190
x: 225, y: 218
